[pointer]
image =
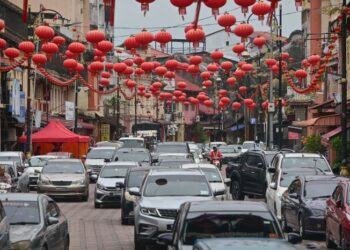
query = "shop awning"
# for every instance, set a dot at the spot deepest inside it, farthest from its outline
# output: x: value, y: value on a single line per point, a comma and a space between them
x: 325, y: 139
x: 323, y: 121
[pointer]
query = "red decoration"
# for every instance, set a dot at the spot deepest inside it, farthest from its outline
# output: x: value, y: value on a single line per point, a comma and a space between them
x: 144, y: 38
x: 215, y: 5
x: 170, y: 75
x: 109, y: 66
x: 44, y: 32
x: 128, y: 71
x: 314, y: 59
x: 231, y: 81
x: 59, y: 40
x: 195, y: 60
x: 171, y: 64
x: 79, y: 67
x: 227, y: 66
x: 213, y: 67
x: 145, y: 5
x: 106, y: 74
x: 157, y: 85
x: 182, y: 5
x: 156, y: 64
x: 227, y: 20
x: 195, y: 36
x: 216, y: 55
x: 27, y: 47
x: 95, y: 36
x: 11, y: 53
x: 160, y: 70
x: 105, y: 46
x: 181, y: 85
x: 194, y: 101
x: 243, y: 89
x: 70, y: 64
x: 248, y: 102
x: 205, y: 75
x: 131, y: 44
x: 207, y: 83
x: 119, y: 67
x: 39, y: 59
x: 300, y: 74
x: 138, y: 60
x: 186, y: 104
x: 225, y: 100
x: 3, y: 44
x: 236, y: 105
x: 76, y: 47
x: 259, y: 41
x: 163, y: 37
x: 243, y: 30
x: 285, y: 56
x: 130, y: 84
x: 245, y: 4
x: 192, y: 26
x: 208, y: 103
x: 202, y: 97
x: 305, y: 63
x: 265, y: 105
x: 270, y: 62
x: 239, y: 73
x: 260, y: 9
x: 2, y: 24
x: 96, y: 66
x: 193, y: 69
x: 104, y: 82
x: 129, y: 62
x: 147, y: 66
x: 177, y: 93
x: 238, y: 48
x: 247, y: 67
x: 139, y: 71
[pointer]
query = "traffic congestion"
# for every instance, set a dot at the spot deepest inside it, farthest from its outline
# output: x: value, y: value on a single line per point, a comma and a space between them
x: 274, y: 199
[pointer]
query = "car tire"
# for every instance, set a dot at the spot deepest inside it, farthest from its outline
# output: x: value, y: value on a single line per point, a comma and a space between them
x: 86, y: 196
x: 329, y: 243
x: 236, y: 191
x: 301, y: 227
x: 138, y: 244
x: 124, y: 220
x: 66, y: 243
x: 97, y: 205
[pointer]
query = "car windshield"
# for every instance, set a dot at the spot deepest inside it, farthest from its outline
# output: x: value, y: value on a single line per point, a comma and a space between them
x: 172, y: 157
x: 136, y: 178
x: 22, y: 212
x: 306, y: 162
x: 115, y: 171
x: 174, y: 163
x: 10, y: 158
x: 133, y: 143
x: 227, y: 149
x: 134, y: 156
x: 63, y: 168
x: 250, y: 145
x: 224, y: 225
x: 172, y: 148
x: 38, y: 161
x: 177, y: 185
x: 99, y: 153
x: 319, y: 189
x: 212, y: 174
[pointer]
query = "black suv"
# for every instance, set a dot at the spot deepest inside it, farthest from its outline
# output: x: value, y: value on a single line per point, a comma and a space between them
x: 248, y: 174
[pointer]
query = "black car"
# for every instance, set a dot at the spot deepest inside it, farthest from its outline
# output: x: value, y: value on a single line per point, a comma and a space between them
x: 36, y: 222
x: 141, y: 155
x: 303, y: 205
x: 133, y: 178
x: 217, y: 219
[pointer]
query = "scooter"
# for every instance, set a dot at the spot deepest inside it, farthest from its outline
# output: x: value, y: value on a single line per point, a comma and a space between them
x: 217, y: 163
x: 5, y: 188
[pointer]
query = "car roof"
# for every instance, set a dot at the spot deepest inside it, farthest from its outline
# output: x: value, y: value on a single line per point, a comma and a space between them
x: 291, y: 155
x: 44, y: 156
x: 131, y: 138
x: 65, y: 160
x: 123, y: 163
x: 125, y: 150
x: 310, y: 178
x: 10, y: 153
x: 20, y: 196
x: 145, y: 168
x: 103, y: 148
x: 234, y: 206
x: 173, y: 154
x: 174, y: 171
x: 198, y: 165
x: 173, y: 143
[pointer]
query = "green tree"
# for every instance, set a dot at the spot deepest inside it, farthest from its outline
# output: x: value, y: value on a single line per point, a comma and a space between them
x: 199, y: 133
x: 313, y: 144
x: 336, y: 144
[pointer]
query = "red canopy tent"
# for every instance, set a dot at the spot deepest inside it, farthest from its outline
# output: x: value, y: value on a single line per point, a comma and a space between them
x: 55, y: 133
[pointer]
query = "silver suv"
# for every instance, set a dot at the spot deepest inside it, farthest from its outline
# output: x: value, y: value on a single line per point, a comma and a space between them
x: 160, y: 197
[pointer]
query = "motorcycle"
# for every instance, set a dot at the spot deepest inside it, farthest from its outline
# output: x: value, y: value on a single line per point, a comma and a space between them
x: 5, y: 188
x: 217, y: 163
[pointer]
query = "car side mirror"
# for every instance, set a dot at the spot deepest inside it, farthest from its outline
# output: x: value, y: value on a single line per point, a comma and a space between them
x: 19, y: 173
x: 37, y: 171
x: 271, y: 170
x: 154, y: 160
x: 116, y: 158
x: 294, y: 238
x: 134, y: 191
x: 165, y: 239
x: 52, y: 220
x: 219, y: 192
x: 339, y: 204
x: 294, y: 196
x: 26, y: 164
x: 119, y: 185
x: 273, y: 186
x: 93, y: 177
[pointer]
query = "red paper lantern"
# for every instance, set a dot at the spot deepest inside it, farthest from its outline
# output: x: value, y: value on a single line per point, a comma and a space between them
x: 39, y: 59
x: 195, y: 36
x: 215, y: 5
x: 270, y: 62
x: 194, y: 101
x: 212, y: 67
x: 225, y: 100
x: 27, y: 47
x: 247, y: 67
x: 260, y: 9
x: 195, y: 60
x: 216, y: 55
x: 139, y: 71
x: 129, y: 62
x: 106, y: 74
x: 305, y: 63
x: 243, y: 89
x: 205, y: 75
x: 11, y: 53
x: 171, y: 64
x: 168, y: 95
x: 239, y: 73
x: 285, y: 55
x: 104, y: 82
x: 182, y: 5
x: 3, y: 44
x: 227, y: 20
x: 157, y: 85
x: 236, y: 105
x: 138, y: 60
x: 238, y: 48
x: 96, y: 66
x: 181, y: 98
x: 105, y: 46
x: 222, y: 92
x: 128, y: 71
x: 76, y: 47
x: 163, y: 37
x: 265, y: 105
x: 208, y: 103
x: 160, y: 71
x: 231, y: 81
x: 70, y: 64
x: 259, y: 41
x: 300, y: 74
x: 186, y: 104
x: 156, y: 64
x: 243, y: 30
x: 145, y: 4
x: 79, y: 68
x: 50, y: 48
x: 147, y: 95
x: 131, y: 44
x: 44, y: 32
x: 275, y: 68
x: 2, y: 24
x: 202, y: 97
x: 170, y: 75
x: 141, y: 87
x: 59, y: 40
x: 147, y: 66
x: 193, y: 69
x: 95, y: 36
x: 207, y: 83
x: 119, y: 67
x: 192, y: 26
x: 252, y: 106
x: 130, y: 84
x: 248, y: 102
x: 177, y: 93
x: 181, y: 85
x: 227, y: 66
x: 314, y: 59
x: 109, y: 66
x: 144, y: 38
x: 70, y: 54
x: 141, y: 93
x: 244, y: 4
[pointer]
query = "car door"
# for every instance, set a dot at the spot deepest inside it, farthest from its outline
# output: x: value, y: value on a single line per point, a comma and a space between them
x: 296, y: 203
x: 253, y: 174
x: 52, y: 231
x: 62, y: 224
x: 271, y: 192
x: 288, y: 203
x: 4, y: 230
x: 331, y: 215
x: 339, y: 213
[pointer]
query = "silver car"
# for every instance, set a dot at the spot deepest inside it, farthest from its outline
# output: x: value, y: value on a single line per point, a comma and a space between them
x: 110, y: 183
x: 160, y: 197
x: 36, y: 164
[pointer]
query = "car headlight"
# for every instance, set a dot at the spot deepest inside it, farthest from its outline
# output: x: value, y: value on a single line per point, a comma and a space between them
x: 317, y: 212
x: 21, y: 245
x: 100, y: 186
x: 44, y: 180
x: 129, y: 197
x: 78, y: 182
x: 149, y: 211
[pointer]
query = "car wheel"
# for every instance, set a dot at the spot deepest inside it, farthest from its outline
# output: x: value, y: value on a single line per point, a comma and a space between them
x: 138, y: 245
x: 66, y: 243
x: 86, y: 196
x: 301, y: 227
x: 97, y: 205
x: 236, y: 191
x: 329, y: 243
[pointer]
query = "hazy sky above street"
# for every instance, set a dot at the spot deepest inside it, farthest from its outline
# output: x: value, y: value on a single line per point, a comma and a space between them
x: 130, y: 20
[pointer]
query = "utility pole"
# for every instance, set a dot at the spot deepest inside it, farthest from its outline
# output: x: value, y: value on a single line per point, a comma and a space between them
x: 118, y: 109
x: 280, y: 133
x: 344, y: 156
x: 28, y: 147
x: 76, y: 107
x: 135, y: 122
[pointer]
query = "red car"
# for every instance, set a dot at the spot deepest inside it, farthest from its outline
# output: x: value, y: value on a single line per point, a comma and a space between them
x: 338, y: 217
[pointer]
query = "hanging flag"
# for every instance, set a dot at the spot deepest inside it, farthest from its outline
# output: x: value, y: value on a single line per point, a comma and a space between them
x: 25, y: 11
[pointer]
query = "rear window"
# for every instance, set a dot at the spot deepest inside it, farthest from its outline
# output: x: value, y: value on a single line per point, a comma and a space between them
x: 133, y: 143
x: 319, y: 189
x: 172, y: 149
x: 306, y: 162
x: 98, y: 153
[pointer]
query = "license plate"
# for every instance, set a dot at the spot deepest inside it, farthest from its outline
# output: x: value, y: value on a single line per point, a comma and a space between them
x: 61, y: 189
x: 113, y: 193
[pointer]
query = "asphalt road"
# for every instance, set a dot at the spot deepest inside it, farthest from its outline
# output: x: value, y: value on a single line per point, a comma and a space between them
x: 101, y: 229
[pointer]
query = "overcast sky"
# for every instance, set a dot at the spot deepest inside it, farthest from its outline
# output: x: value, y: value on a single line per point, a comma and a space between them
x: 129, y: 19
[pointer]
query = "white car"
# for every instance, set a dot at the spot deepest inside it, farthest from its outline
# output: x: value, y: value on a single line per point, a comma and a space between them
x: 132, y: 142
x: 216, y: 181
x: 97, y: 158
x: 36, y: 164
x: 279, y: 184
x: 251, y: 145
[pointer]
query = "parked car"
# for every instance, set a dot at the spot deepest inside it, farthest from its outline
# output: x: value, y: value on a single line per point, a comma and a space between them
x: 171, y: 147
x: 61, y: 155
x: 303, y: 205
x: 213, y: 174
x: 230, y: 219
x: 228, y: 153
x: 140, y: 155
x: 4, y: 229
x: 16, y: 156
x: 132, y: 142
x: 36, y: 164
x: 97, y: 158
x: 19, y: 183
x: 161, y: 195
x: 280, y: 182
x: 252, y: 145
x: 173, y: 156
x: 36, y: 222
x: 338, y: 217
x: 133, y: 179
x: 116, y: 144
x: 109, y: 185
x: 244, y: 244
x: 64, y: 178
